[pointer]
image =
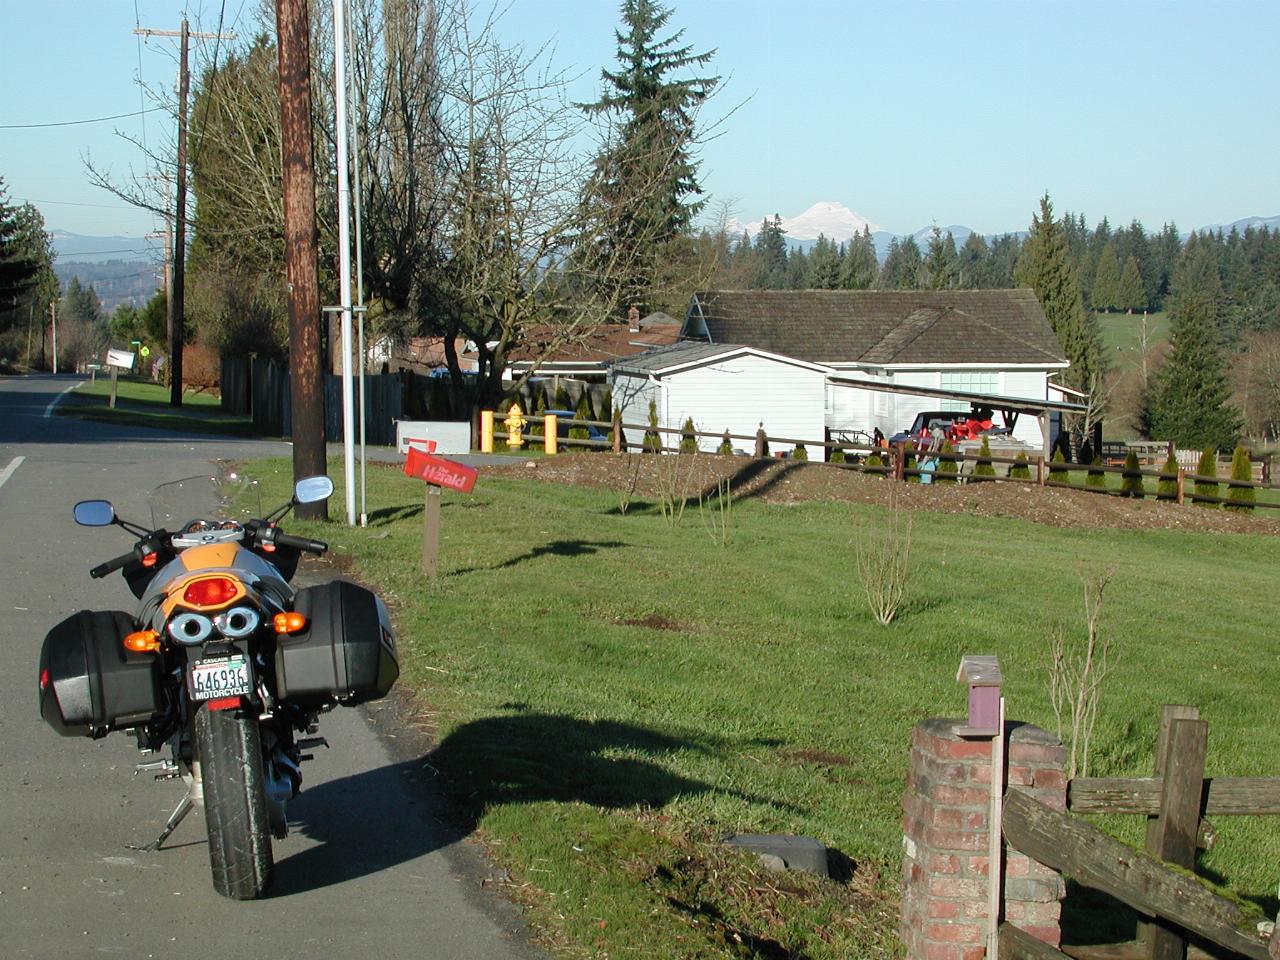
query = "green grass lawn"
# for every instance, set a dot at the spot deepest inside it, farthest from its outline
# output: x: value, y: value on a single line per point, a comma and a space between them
x: 1122, y: 334
x: 142, y: 403
x: 613, y: 694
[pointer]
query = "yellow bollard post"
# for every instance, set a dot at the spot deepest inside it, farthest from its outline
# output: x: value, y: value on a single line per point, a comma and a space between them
x: 486, y: 431
x: 550, y: 440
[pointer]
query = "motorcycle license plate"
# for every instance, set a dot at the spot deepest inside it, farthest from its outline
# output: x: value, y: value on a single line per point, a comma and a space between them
x: 220, y: 677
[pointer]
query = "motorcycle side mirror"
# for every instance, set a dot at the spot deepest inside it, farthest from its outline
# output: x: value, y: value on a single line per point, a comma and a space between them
x: 94, y: 513
x: 312, y: 489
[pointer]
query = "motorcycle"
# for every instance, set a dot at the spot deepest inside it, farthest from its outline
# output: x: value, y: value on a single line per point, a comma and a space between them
x: 223, y: 666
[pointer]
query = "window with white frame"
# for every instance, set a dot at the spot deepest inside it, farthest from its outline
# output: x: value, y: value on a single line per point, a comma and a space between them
x: 968, y: 381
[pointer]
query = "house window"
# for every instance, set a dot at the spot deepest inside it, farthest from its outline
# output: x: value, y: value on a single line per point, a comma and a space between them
x: 968, y: 381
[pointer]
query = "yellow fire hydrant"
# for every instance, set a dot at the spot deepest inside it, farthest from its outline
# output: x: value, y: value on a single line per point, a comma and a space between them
x: 515, y: 424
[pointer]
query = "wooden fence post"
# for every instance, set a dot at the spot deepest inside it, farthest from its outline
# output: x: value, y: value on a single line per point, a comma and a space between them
x: 1182, y: 486
x: 1171, y: 834
x: 1040, y: 469
x: 617, y: 433
x: 431, y: 531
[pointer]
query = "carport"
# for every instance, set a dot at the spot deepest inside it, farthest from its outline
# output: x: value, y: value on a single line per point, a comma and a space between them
x: 1045, y: 411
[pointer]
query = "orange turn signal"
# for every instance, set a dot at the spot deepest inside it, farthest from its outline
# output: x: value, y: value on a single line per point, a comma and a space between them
x: 289, y: 622
x: 143, y: 641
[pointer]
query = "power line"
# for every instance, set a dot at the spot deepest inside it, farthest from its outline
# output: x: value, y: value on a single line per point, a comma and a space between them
x: 74, y: 123
x: 73, y: 203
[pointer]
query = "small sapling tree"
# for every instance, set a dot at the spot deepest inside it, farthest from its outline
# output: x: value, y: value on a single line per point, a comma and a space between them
x: 1022, y: 469
x: 947, y: 469
x: 1057, y: 468
x: 1078, y: 669
x: 883, y: 550
x: 688, y: 442
x: 652, y: 439
x: 1096, y: 479
x: 800, y: 453
x: 984, y: 468
x: 726, y: 445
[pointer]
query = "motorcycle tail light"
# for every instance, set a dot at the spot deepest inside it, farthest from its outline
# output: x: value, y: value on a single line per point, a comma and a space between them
x: 142, y: 641
x: 223, y: 703
x: 44, y: 679
x: 289, y: 622
x: 210, y: 592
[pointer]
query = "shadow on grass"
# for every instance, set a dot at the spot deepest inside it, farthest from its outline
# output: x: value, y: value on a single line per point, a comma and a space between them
x: 535, y: 757
x: 386, y: 516
x: 556, y: 548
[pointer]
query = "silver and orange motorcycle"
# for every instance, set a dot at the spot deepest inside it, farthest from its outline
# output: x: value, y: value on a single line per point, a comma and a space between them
x: 223, y: 669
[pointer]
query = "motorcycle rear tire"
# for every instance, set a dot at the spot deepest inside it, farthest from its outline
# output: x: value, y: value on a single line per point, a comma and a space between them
x: 230, y: 753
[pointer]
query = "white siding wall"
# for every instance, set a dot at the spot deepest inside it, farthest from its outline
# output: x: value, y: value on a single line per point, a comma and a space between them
x: 631, y: 395
x: 737, y: 394
x: 1029, y: 384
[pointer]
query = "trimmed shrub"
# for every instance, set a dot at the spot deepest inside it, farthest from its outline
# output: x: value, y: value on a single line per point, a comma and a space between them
x: 562, y: 398
x: 581, y: 412
x: 726, y: 447
x: 1240, y: 497
x: 799, y: 453
x: 909, y: 461
x: 1097, y: 479
x: 1058, y: 474
x: 874, y: 461
x: 652, y: 440
x: 1207, y: 467
x: 1131, y: 479
x: 1022, y: 469
x: 838, y: 456
x: 984, y: 468
x: 688, y: 442
x: 1167, y: 488
x: 947, y: 469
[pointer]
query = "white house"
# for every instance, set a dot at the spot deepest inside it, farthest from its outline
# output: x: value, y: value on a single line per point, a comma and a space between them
x: 722, y: 387
x: 997, y: 343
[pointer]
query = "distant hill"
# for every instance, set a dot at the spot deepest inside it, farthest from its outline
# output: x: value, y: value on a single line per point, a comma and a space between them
x: 91, y: 249
x: 115, y: 281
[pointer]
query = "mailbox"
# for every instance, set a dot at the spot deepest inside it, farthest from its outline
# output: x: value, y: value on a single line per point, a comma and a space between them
x: 983, y: 677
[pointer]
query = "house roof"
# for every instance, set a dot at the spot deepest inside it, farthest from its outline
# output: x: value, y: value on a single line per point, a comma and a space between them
x: 607, y: 342
x: 881, y: 327
x: 691, y: 353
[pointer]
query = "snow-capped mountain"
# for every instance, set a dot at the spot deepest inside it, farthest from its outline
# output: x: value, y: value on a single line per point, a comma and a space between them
x: 831, y: 219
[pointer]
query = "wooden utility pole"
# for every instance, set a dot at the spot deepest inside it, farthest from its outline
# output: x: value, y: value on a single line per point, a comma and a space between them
x: 175, y: 313
x: 300, y: 253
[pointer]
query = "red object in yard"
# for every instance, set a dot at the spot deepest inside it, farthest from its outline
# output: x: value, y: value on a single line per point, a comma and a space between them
x: 439, y: 472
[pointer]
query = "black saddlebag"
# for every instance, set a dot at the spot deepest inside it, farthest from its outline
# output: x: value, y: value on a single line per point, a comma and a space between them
x: 346, y: 651
x: 89, y: 683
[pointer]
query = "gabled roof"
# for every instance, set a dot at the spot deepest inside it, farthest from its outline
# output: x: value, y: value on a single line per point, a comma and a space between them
x: 880, y: 327
x: 599, y: 346
x: 691, y: 353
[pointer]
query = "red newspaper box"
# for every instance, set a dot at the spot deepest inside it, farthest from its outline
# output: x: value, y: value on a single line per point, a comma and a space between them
x: 438, y: 471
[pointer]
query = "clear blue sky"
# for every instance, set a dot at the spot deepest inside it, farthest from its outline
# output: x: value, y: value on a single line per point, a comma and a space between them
x: 907, y: 112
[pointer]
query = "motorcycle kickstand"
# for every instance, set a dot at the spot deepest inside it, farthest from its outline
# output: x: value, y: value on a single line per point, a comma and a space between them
x: 175, y: 818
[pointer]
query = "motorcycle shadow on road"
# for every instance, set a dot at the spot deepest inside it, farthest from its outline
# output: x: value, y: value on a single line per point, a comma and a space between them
x: 376, y: 820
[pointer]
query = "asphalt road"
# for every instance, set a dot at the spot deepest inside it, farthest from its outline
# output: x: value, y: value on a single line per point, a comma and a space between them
x: 367, y: 870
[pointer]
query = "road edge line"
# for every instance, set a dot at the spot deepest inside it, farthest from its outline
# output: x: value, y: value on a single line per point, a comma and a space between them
x: 8, y: 471
x: 48, y: 411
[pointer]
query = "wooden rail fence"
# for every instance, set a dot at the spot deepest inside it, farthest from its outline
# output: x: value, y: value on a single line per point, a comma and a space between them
x: 1159, y: 882
x: 896, y: 461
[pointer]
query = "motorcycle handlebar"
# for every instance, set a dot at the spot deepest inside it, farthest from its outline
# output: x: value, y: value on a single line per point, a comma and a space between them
x: 301, y: 543
x: 102, y: 569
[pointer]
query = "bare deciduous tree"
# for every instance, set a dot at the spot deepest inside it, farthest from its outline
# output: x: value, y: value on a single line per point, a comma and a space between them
x: 1078, y: 670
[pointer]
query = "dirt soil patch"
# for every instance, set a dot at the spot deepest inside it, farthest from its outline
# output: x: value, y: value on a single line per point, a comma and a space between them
x: 786, y: 482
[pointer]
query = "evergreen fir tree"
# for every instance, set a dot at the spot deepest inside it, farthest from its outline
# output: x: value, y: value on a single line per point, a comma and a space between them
x: 1057, y: 468
x: 941, y: 265
x: 1096, y: 479
x: 1207, y: 467
x: 799, y: 453
x: 647, y: 181
x: 1131, y: 295
x: 1022, y: 469
x: 771, y: 255
x: 537, y: 428
x: 1106, y: 280
x: 1045, y: 267
x: 972, y: 263
x: 901, y: 270
x: 823, y: 269
x: 947, y: 469
x: 726, y: 445
x: 1240, y: 497
x: 652, y: 439
x: 1190, y: 404
x: 1167, y: 488
x: 581, y: 412
x: 859, y: 268
x: 838, y: 456
x: 1131, y: 480
x: 984, y: 467
x: 561, y: 397
x: 688, y: 442
x: 19, y: 265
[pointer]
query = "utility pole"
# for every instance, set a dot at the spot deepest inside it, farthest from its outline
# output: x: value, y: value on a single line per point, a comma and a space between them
x: 53, y: 313
x: 175, y: 313
x: 307, y: 401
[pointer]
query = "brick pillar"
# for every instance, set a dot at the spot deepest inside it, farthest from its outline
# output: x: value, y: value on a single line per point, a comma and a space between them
x: 945, y: 865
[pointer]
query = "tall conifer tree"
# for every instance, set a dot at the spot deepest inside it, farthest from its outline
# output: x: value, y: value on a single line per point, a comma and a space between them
x: 647, y: 178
